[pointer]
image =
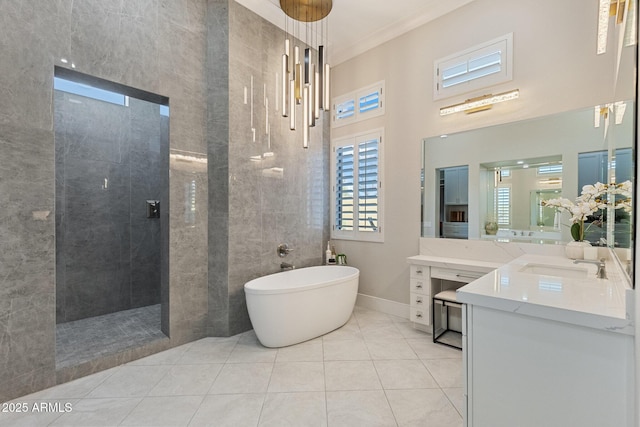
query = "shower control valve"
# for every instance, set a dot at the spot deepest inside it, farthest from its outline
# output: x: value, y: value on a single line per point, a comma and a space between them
x: 283, y: 250
x: 153, y: 208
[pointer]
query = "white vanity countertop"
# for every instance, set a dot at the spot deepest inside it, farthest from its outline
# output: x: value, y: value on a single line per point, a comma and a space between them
x: 589, y: 302
x: 455, y: 263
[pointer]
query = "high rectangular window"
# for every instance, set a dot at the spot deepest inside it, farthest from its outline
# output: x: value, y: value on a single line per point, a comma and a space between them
x: 478, y: 67
x: 359, y: 105
x: 555, y: 170
x: 90, y: 91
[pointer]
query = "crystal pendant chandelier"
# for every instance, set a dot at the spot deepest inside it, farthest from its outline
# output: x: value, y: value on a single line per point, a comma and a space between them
x: 305, y: 82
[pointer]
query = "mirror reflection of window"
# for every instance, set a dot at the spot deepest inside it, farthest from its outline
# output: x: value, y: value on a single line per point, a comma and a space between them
x: 502, y: 205
x: 516, y: 191
x: 454, y: 202
x: 595, y: 167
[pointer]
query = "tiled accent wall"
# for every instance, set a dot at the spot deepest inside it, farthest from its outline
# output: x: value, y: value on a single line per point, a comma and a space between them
x: 200, y: 54
x: 108, y: 164
x: 154, y: 45
x: 257, y: 204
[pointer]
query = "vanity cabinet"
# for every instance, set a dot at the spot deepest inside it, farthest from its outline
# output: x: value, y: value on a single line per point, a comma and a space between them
x: 456, y: 185
x: 548, y: 349
x: 530, y: 372
x: 430, y: 275
x: 419, y: 295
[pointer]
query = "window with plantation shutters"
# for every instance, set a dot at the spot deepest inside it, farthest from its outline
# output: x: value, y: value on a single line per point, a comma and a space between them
x: 345, y: 110
x: 481, y: 66
x: 369, y: 100
x: 357, y: 187
x: 359, y: 105
x: 555, y: 170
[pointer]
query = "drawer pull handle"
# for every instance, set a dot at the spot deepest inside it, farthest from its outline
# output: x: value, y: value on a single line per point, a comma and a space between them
x: 418, y: 300
x: 467, y: 276
x: 419, y: 315
x: 419, y: 286
x: 418, y: 271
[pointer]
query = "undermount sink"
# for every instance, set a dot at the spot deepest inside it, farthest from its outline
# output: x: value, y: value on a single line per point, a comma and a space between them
x: 556, y: 270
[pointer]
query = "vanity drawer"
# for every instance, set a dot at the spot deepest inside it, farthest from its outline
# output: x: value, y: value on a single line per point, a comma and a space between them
x: 420, y: 315
x: 418, y: 271
x: 455, y: 275
x: 419, y: 300
x: 419, y: 286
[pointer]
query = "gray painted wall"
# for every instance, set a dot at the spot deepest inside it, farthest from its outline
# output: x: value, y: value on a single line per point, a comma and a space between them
x: 200, y: 54
x: 108, y: 163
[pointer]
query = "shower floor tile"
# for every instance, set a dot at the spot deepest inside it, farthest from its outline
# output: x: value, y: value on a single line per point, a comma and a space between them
x: 87, y: 339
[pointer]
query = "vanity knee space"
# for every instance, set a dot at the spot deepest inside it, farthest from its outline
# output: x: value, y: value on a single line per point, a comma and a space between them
x: 431, y: 275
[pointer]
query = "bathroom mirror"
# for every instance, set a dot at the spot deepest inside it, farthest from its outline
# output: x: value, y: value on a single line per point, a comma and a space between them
x: 554, y: 143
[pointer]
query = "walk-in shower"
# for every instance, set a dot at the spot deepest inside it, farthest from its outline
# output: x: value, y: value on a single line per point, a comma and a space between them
x: 111, y: 162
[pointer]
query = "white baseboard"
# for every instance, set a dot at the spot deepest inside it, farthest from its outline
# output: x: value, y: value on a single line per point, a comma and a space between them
x: 383, y: 305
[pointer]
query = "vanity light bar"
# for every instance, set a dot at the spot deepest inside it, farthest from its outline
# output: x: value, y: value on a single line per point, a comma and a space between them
x: 480, y: 103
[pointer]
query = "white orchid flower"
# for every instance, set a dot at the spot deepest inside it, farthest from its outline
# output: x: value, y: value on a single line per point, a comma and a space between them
x: 581, y: 211
x: 624, y: 188
x: 590, y: 201
x: 624, y: 205
x: 626, y: 185
x: 561, y: 203
x: 594, y: 190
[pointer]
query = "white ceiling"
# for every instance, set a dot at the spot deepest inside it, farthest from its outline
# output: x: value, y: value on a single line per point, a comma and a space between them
x: 356, y: 26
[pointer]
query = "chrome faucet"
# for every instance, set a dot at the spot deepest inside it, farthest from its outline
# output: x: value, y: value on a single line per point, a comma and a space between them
x: 286, y: 266
x: 601, y: 273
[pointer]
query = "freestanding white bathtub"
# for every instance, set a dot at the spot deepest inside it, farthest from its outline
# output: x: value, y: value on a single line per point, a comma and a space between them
x: 298, y: 305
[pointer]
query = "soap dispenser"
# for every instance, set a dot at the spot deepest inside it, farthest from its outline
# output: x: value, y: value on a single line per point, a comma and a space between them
x: 328, y: 254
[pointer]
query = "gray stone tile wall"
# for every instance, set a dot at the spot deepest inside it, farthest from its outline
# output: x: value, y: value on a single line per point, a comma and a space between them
x: 154, y: 45
x: 267, y: 208
x: 200, y: 54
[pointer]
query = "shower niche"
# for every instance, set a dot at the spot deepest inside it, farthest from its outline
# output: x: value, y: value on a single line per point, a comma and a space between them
x: 111, y: 160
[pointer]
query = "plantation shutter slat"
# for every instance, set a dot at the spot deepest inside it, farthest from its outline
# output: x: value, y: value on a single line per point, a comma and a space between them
x: 473, y: 68
x: 503, y: 205
x: 369, y: 102
x: 344, y: 187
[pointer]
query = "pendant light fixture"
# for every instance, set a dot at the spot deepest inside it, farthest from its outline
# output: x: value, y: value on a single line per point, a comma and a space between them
x: 305, y: 83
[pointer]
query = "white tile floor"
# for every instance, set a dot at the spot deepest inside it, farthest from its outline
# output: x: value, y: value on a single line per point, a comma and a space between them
x: 374, y: 371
